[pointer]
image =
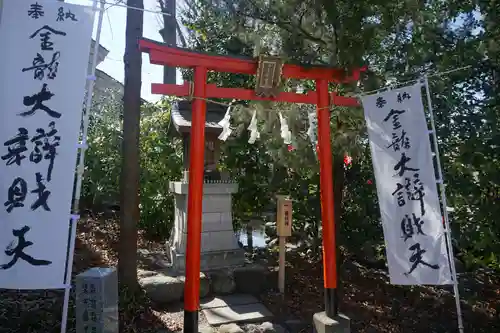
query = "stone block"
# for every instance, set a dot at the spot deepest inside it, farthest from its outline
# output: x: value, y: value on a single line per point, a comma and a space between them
x: 211, y: 261
x: 179, y: 187
x: 204, y: 328
x: 206, y: 244
x: 296, y: 325
x: 266, y: 327
x: 228, y: 300
x: 220, y: 188
x: 226, y: 218
x: 216, y: 203
x: 142, y: 273
x: 256, y: 312
x: 251, y: 279
x: 222, y: 282
x: 166, y: 287
x: 230, y: 328
x: 152, y: 260
x: 324, y: 324
x: 182, y: 188
x: 220, y: 241
x: 162, y: 288
x: 211, y: 222
x: 97, y: 301
x: 212, y: 241
x: 204, y: 284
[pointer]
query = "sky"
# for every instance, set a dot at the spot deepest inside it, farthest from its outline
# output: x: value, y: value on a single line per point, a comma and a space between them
x: 113, y: 39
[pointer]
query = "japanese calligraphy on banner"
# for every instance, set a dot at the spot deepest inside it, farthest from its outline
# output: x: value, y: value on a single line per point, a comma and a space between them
x: 43, y: 69
x: 406, y: 187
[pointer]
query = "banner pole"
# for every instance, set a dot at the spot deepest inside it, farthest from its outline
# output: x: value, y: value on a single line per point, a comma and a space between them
x: 445, y: 210
x: 81, y: 160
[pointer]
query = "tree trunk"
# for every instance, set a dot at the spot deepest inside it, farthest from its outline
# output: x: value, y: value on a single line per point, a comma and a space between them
x: 129, y: 182
x: 169, y: 35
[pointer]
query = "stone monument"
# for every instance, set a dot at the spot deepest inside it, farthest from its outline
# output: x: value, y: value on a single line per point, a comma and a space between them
x: 219, y: 246
x: 97, y: 301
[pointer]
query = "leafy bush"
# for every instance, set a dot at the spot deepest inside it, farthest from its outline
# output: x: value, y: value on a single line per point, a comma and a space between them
x: 160, y: 162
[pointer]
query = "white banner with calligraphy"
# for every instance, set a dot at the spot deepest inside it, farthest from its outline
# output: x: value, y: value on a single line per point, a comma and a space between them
x: 406, y: 187
x: 43, y: 69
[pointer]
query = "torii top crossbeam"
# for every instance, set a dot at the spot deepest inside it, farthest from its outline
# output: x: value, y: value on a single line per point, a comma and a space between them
x: 269, y: 71
x: 161, y: 54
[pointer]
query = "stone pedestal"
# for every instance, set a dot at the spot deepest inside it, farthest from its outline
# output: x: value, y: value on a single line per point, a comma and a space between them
x: 324, y: 324
x: 219, y: 246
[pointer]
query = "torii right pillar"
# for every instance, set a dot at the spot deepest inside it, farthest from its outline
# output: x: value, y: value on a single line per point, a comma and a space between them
x: 330, y: 320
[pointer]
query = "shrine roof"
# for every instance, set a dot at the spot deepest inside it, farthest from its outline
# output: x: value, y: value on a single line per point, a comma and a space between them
x: 181, y: 117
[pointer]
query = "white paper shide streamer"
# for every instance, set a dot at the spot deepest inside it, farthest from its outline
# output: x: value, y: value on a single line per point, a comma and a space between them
x: 225, y: 123
x: 42, y: 86
x: 286, y: 135
x: 406, y: 187
x: 254, y: 131
x: 311, y: 131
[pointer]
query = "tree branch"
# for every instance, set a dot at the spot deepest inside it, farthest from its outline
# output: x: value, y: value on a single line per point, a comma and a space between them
x: 285, y: 25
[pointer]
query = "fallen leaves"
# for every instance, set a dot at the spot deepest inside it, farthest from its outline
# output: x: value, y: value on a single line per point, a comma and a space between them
x: 366, y: 296
x: 376, y: 306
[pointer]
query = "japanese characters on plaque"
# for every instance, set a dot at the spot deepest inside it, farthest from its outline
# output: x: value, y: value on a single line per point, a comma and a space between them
x: 43, y: 69
x: 97, y: 301
x: 91, y: 306
x: 406, y: 186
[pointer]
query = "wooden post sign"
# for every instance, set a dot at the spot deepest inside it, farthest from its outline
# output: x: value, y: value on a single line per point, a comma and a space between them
x: 284, y: 230
x: 284, y: 217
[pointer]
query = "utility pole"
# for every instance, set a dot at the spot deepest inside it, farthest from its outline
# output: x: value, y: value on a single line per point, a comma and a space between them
x: 129, y: 181
x: 169, y: 35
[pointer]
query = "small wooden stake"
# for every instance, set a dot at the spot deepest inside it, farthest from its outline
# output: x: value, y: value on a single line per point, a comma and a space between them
x: 284, y: 230
x: 281, y: 273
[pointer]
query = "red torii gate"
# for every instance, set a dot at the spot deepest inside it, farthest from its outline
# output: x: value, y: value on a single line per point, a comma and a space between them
x: 161, y: 54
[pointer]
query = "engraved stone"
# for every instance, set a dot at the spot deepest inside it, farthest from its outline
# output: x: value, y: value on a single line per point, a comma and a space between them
x: 97, y: 301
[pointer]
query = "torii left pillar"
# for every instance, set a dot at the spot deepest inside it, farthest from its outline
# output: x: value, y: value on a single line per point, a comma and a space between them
x: 195, y: 199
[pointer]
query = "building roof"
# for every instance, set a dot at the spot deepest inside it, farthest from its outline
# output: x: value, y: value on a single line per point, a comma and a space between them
x: 102, y: 53
x: 181, y: 117
x: 111, y: 81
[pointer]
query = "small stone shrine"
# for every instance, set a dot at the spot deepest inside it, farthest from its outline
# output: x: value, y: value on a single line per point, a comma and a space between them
x: 219, y: 246
x: 97, y: 301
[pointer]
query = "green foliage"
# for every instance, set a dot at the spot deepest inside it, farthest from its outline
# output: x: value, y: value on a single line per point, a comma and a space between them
x: 398, y: 41
x: 102, y: 158
x: 161, y: 162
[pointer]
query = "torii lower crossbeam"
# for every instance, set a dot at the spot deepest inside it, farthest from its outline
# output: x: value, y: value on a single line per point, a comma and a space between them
x: 161, y: 54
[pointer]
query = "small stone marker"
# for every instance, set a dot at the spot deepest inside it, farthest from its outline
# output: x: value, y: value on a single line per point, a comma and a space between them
x: 97, y: 301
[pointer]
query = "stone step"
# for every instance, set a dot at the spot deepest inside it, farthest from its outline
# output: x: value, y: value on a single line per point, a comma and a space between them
x: 234, y: 309
x: 229, y: 300
x: 167, y: 286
